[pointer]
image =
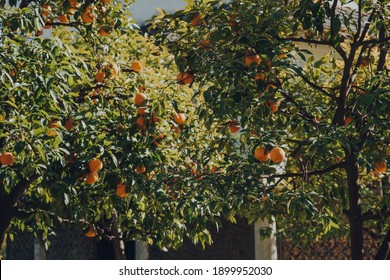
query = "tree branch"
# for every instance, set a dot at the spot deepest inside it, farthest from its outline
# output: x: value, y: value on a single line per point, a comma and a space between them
x: 384, y: 250
x: 374, y: 41
x: 317, y: 87
x: 19, y: 189
x: 302, y: 111
x: 310, y: 173
x: 339, y: 50
x: 369, y: 215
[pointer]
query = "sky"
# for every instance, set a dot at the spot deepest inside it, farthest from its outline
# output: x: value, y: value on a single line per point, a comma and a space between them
x: 144, y: 9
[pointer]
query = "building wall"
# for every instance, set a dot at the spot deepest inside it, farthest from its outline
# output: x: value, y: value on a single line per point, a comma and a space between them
x: 232, y: 242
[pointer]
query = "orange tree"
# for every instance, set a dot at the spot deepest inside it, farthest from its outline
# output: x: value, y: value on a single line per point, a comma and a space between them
x: 328, y: 115
x: 99, y: 132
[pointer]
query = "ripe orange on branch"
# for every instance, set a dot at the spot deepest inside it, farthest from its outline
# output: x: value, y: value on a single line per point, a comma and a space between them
x: 103, y: 32
x: 380, y: 166
x: 47, y: 24
x: 348, y: 120
x: 91, y: 232
x: 185, y: 78
x: 139, y: 98
x: 252, y: 58
x: 121, y: 191
x: 140, y: 122
x: 46, y: 10
x: 73, y: 3
x: 273, y: 105
x: 69, y: 124
x: 99, y: 77
x: 92, y: 177
x: 63, y: 18
x: 54, y: 125
x: 95, y: 165
x: 196, y: 20
x: 260, y: 76
x: 277, y: 155
x: 137, y: 66
x: 140, y: 169
x: 88, y: 15
x: 180, y: 118
x: 7, y: 158
x: 261, y: 154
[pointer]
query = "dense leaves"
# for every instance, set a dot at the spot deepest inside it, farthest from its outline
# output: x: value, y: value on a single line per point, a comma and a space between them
x: 310, y: 77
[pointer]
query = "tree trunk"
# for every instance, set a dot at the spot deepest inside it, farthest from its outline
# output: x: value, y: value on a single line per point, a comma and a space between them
x: 384, y: 250
x: 118, y: 243
x: 355, y: 211
x: 5, y: 221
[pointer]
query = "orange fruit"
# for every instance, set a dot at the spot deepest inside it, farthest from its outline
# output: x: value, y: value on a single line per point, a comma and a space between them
x: 140, y: 169
x: 264, y: 198
x: 269, y: 65
x: 348, y: 120
x: 234, y: 128
x: 73, y: 3
x: 213, y: 169
x: 91, y: 232
x: 46, y: 10
x: 142, y: 111
x: 204, y: 44
x: 282, y: 55
x: 139, y: 98
x: 47, y: 24
x: 141, y: 125
x: 121, y: 191
x: 106, y: 1
x: 380, y: 166
x: 88, y: 15
x: 7, y: 158
x: 261, y: 154
x: 39, y: 32
x: 103, y: 32
x: 137, y: 66
x: 12, y: 73
x: 99, y: 77
x: 185, y: 78
x: 273, y: 105
x: 69, y: 124
x: 176, y: 129
x: 270, y: 87
x: 95, y: 165
x: 277, y: 155
x: 260, y: 76
x: 54, y: 125
x: 252, y: 58
x: 92, y: 177
x: 365, y: 61
x: 180, y: 118
x: 63, y: 18
x: 196, y: 20
x: 155, y: 118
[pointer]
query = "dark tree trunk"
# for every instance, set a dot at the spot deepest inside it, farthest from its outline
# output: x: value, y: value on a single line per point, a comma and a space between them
x: 384, y: 250
x: 5, y: 221
x: 355, y: 211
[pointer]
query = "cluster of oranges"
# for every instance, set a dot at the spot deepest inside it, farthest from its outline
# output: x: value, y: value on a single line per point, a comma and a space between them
x: 94, y: 165
x: 276, y: 155
x: 88, y: 16
x: 252, y: 59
